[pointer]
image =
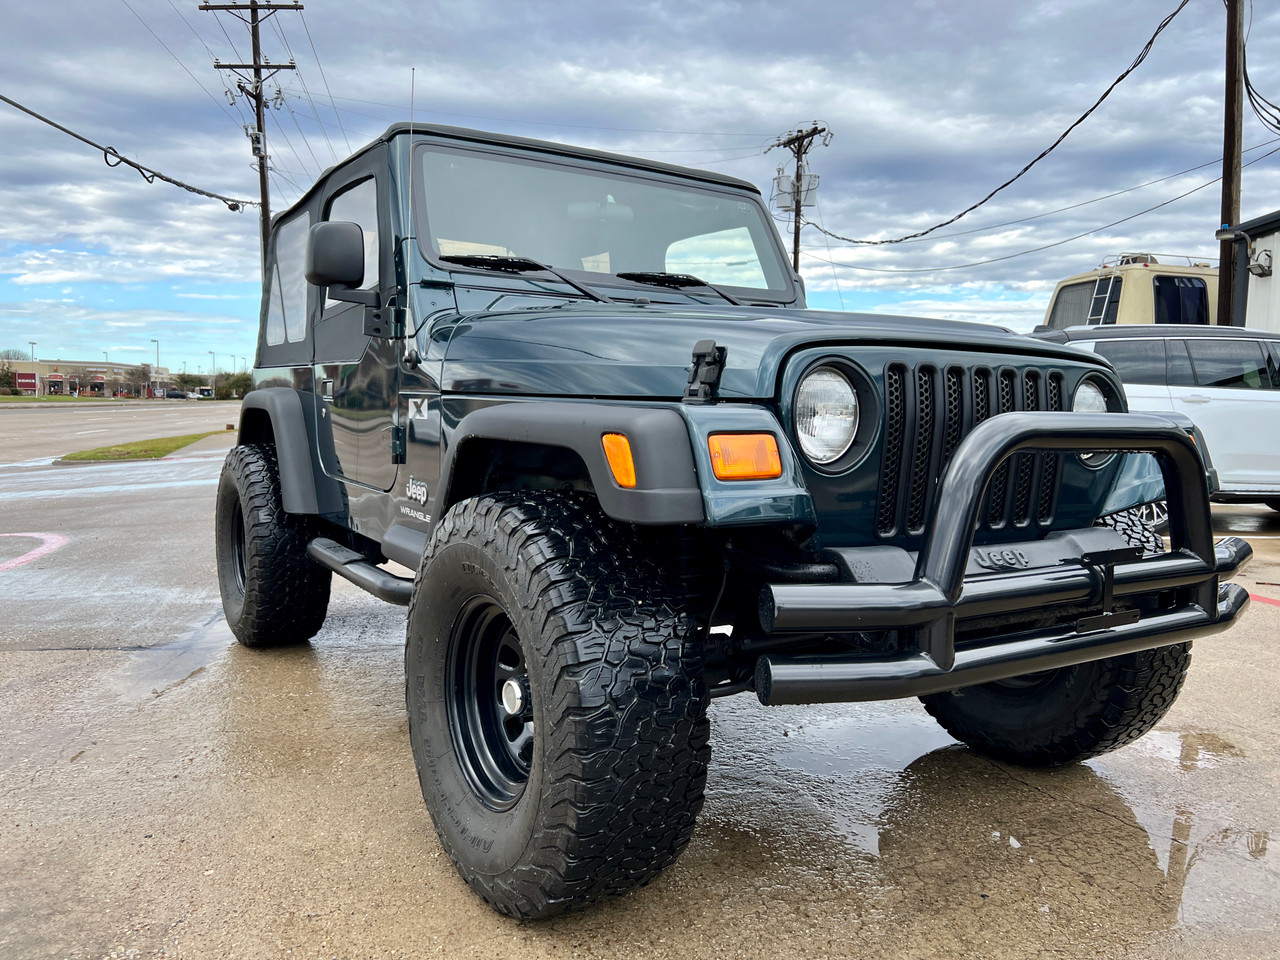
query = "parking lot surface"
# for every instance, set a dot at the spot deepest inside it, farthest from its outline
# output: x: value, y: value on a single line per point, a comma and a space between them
x: 165, y: 792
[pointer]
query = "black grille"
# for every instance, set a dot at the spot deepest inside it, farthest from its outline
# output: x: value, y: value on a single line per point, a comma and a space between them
x: 928, y: 411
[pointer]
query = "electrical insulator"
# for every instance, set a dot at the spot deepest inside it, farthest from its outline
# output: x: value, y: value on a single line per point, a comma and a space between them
x: 278, y: 100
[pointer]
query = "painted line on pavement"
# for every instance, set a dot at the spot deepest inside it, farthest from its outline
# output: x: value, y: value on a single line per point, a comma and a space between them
x: 49, y: 542
x: 1252, y: 596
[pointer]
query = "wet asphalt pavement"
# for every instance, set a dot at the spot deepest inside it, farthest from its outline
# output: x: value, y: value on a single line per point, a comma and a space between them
x: 166, y: 792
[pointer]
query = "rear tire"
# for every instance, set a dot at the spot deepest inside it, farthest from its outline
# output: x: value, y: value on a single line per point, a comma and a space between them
x: 557, y: 711
x: 1071, y: 713
x: 273, y: 594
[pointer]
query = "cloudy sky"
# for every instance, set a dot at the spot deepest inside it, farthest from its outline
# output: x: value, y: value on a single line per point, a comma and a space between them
x: 932, y: 104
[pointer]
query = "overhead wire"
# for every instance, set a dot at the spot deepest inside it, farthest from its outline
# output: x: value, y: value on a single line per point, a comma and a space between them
x: 1137, y: 61
x: 1047, y: 246
x: 180, y: 63
x: 289, y: 144
x: 148, y: 174
x: 1068, y: 207
x: 208, y: 50
x: 323, y: 78
x: 302, y: 80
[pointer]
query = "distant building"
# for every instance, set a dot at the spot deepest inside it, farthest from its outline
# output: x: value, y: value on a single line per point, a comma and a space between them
x: 103, y: 379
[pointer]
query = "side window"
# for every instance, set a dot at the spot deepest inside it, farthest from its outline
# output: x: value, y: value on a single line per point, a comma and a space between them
x: 1181, y: 300
x: 1137, y: 361
x: 1237, y: 364
x: 287, y: 305
x: 725, y: 257
x: 359, y: 205
x: 1180, y: 373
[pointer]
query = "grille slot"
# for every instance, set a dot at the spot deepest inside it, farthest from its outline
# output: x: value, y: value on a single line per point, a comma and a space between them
x: 928, y: 412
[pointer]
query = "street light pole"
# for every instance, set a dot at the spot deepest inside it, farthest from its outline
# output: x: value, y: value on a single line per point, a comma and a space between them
x: 213, y: 372
x: 33, y: 352
x: 156, y: 371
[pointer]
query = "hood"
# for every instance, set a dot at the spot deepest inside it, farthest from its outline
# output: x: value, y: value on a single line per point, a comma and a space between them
x: 644, y: 352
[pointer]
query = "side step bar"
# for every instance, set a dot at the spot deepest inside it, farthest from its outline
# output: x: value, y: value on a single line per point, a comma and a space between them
x: 355, y: 567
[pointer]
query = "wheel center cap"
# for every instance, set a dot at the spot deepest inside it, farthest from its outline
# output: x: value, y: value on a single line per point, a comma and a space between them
x: 512, y: 697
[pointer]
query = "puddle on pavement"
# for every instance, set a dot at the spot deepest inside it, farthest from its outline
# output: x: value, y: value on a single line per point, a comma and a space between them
x: 925, y: 833
x: 153, y: 671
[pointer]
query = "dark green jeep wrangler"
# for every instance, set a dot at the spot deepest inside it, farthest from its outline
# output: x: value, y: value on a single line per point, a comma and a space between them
x: 580, y: 396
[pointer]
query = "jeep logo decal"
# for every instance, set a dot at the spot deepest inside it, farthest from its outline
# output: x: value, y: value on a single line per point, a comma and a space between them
x: 416, y: 490
x: 1001, y: 559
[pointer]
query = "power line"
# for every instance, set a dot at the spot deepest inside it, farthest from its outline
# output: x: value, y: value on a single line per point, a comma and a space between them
x: 289, y: 144
x: 179, y: 62
x: 1047, y: 246
x: 148, y: 174
x: 1067, y: 208
x: 305, y: 89
x: 1137, y: 61
x: 324, y: 79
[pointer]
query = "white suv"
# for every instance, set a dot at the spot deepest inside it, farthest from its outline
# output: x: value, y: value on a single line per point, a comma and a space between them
x: 1226, y: 380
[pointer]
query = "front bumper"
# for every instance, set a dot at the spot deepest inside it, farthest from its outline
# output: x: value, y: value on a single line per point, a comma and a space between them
x: 927, y: 607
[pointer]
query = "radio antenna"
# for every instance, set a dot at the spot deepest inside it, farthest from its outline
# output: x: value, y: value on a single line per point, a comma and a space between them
x: 413, y: 76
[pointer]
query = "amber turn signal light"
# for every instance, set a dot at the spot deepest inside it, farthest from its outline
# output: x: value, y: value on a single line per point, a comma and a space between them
x: 617, y: 450
x: 745, y: 456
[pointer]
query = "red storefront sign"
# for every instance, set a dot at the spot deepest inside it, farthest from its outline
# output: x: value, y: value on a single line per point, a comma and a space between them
x: 25, y: 381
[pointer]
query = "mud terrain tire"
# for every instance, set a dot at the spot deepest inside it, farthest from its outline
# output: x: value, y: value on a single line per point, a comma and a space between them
x: 273, y: 594
x: 586, y: 780
x: 1071, y: 713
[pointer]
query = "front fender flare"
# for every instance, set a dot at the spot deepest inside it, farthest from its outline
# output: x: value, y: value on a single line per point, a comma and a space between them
x: 666, y: 490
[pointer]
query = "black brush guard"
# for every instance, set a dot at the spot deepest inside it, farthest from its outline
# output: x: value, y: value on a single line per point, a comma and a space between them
x: 928, y: 607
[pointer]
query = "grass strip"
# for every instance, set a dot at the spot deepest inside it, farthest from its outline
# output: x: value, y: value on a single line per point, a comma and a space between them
x: 141, y: 449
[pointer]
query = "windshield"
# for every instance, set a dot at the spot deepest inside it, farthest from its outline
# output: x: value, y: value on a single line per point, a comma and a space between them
x: 598, y: 221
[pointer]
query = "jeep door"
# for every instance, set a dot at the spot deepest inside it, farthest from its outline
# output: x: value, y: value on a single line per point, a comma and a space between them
x: 356, y: 375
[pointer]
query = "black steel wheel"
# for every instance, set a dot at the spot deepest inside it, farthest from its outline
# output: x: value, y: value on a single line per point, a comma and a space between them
x: 1071, y: 713
x: 273, y: 594
x: 490, y: 716
x: 557, y: 711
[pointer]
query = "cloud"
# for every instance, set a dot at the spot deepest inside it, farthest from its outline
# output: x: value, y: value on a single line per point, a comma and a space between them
x: 932, y: 105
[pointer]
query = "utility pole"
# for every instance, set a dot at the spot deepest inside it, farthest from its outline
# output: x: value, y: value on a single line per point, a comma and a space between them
x: 1232, y: 121
x: 799, y: 143
x: 250, y: 88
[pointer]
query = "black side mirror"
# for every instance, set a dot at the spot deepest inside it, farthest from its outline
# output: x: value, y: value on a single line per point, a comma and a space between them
x: 335, y: 259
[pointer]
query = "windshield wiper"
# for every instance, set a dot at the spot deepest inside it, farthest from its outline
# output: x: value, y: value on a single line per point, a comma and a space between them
x: 490, y: 261
x: 675, y: 280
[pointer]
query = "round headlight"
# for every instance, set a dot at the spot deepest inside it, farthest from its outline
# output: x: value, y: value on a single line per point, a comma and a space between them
x: 1089, y: 398
x: 826, y: 415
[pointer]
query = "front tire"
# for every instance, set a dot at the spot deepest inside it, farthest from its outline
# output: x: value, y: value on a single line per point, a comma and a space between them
x: 1071, y: 713
x: 557, y: 712
x: 273, y: 594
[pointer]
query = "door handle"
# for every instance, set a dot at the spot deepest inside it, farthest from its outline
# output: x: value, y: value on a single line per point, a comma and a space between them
x: 1195, y: 398
x: 326, y: 389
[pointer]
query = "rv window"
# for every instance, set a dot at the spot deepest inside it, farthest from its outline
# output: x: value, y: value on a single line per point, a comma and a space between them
x: 1071, y: 306
x: 1181, y: 300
